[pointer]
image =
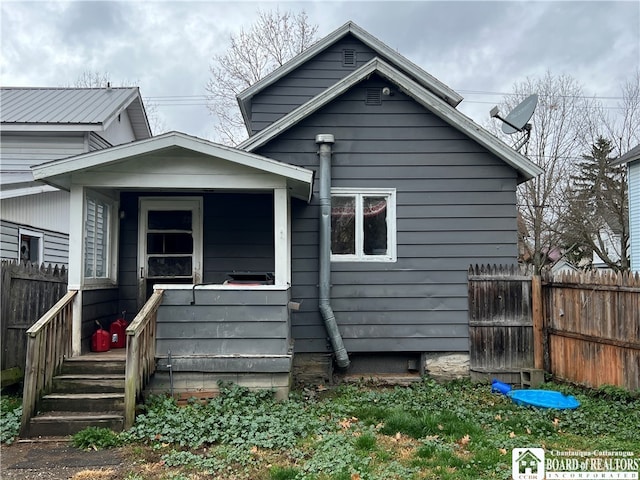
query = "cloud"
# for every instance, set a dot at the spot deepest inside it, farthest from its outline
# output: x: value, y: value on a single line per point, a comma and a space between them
x: 474, y: 47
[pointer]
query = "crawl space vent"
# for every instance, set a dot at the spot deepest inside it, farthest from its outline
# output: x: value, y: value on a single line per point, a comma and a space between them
x: 374, y: 96
x: 348, y: 57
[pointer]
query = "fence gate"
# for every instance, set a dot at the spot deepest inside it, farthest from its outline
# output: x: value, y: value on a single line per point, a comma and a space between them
x: 500, y: 323
x: 28, y: 292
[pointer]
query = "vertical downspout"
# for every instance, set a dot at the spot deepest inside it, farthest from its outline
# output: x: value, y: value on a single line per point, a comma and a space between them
x: 324, y: 302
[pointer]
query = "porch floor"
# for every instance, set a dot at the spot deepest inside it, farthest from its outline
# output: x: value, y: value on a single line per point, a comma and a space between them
x: 113, y: 354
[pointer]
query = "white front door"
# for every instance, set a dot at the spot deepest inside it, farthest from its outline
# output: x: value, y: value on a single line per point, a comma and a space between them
x: 169, y: 242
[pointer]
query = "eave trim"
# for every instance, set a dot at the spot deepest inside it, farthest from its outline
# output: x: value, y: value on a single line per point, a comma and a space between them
x: 423, y: 96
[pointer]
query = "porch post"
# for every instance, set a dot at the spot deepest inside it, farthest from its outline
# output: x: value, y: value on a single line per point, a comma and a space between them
x: 76, y: 233
x: 282, y: 240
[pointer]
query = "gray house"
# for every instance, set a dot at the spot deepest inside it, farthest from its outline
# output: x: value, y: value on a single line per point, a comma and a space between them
x: 38, y: 125
x: 341, y: 229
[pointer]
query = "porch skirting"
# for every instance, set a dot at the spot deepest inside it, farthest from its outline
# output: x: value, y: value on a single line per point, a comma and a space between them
x: 221, y: 333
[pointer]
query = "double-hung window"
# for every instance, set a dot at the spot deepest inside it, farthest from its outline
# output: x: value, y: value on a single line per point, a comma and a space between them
x: 363, y: 225
x: 97, y: 238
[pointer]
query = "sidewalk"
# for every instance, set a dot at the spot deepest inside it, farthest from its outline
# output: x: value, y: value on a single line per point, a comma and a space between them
x: 56, y: 459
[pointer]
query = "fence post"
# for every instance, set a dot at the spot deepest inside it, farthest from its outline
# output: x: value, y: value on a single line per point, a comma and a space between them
x: 538, y: 322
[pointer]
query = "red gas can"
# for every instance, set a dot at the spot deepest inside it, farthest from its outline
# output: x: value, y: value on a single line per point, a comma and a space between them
x: 118, y: 333
x: 100, y: 340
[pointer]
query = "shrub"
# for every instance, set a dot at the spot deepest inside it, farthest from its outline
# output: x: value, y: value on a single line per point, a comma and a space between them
x: 96, y: 438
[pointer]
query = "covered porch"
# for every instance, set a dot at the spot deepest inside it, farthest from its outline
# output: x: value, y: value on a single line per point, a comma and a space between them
x: 192, y: 240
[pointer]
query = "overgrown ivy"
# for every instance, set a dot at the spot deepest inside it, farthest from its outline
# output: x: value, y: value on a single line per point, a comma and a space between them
x: 456, y: 430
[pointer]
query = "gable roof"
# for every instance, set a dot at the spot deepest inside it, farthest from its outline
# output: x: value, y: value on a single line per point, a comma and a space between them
x: 426, y: 98
x: 58, y: 172
x: 631, y: 156
x: 71, y: 109
x: 383, y: 51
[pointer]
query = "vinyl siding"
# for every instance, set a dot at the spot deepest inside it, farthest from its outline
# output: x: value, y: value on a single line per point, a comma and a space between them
x: 456, y: 206
x: 306, y: 82
x: 223, y: 322
x: 9, y: 240
x: 19, y: 151
x: 96, y: 142
x: 120, y: 130
x: 98, y: 306
x: 47, y: 211
x: 56, y: 245
x: 634, y: 214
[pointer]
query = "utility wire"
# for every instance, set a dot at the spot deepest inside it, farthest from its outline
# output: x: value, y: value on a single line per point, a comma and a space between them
x: 203, y: 100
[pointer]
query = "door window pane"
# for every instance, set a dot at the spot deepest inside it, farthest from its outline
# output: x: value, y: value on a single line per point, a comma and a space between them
x: 170, y: 266
x: 170, y: 243
x: 170, y: 220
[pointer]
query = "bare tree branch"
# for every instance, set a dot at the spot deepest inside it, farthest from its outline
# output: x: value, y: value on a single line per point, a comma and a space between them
x: 274, y: 39
x: 89, y: 79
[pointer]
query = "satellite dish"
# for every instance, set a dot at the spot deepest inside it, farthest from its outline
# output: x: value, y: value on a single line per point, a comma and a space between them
x: 516, y: 121
x: 519, y: 116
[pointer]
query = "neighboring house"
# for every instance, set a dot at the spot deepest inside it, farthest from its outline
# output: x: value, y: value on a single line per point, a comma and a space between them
x: 563, y: 266
x: 610, y: 235
x: 632, y: 159
x: 38, y: 125
x: 344, y: 225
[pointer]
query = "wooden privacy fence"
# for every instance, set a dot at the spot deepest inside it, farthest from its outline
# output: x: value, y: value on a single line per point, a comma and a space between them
x: 583, y: 328
x: 27, y: 292
x: 500, y: 322
x: 592, y: 328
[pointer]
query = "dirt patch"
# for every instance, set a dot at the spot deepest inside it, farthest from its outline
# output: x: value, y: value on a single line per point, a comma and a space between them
x: 58, y: 460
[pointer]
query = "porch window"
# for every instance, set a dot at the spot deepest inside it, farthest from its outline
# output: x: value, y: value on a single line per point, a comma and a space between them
x: 96, y: 238
x: 363, y: 226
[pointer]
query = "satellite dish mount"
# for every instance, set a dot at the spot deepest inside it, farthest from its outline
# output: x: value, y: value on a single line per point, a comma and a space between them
x: 517, y: 120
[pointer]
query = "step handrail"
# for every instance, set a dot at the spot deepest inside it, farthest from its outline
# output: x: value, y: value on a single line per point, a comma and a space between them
x: 141, y: 353
x: 49, y: 341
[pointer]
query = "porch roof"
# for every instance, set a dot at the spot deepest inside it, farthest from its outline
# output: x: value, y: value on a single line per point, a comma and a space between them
x: 96, y: 168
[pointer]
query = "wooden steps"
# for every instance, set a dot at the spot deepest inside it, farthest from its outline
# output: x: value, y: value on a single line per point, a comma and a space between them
x: 59, y: 424
x: 88, y: 392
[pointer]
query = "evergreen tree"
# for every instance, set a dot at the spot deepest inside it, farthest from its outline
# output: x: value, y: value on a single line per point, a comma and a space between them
x: 597, y: 215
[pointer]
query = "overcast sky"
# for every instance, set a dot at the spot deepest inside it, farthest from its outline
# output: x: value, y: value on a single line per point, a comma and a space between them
x: 480, y: 49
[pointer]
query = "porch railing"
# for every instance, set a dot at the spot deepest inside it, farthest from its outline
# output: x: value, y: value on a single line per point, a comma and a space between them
x: 48, y: 343
x: 141, y: 353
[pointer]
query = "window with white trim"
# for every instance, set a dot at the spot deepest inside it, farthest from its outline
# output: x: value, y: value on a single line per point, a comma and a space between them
x: 31, y: 246
x: 97, y: 232
x: 363, y: 225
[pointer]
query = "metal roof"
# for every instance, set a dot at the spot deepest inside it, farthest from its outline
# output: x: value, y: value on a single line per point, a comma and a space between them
x: 71, y: 109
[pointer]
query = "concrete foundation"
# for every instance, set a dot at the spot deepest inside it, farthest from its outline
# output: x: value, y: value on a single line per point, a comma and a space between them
x: 204, y: 382
x: 446, y: 366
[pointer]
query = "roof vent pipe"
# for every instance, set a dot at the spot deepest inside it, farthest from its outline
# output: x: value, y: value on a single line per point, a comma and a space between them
x: 324, y: 302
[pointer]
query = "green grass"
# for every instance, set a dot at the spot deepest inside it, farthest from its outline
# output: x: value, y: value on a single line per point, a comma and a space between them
x: 456, y: 430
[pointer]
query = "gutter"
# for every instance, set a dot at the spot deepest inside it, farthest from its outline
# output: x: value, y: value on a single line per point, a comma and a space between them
x: 324, y: 301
